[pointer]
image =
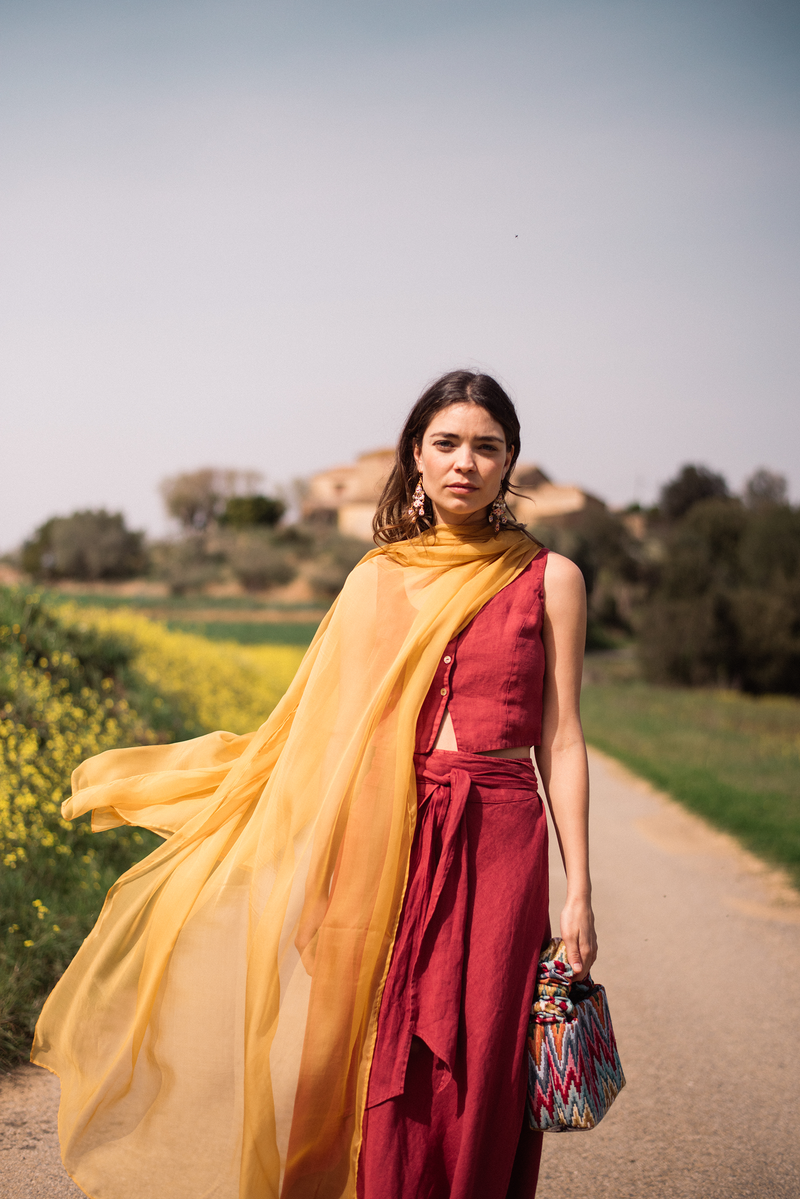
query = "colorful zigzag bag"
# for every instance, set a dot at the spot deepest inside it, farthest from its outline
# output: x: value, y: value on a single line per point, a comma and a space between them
x: 574, y: 1071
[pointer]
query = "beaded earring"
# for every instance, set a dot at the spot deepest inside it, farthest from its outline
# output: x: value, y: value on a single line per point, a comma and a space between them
x: 498, y: 514
x: 418, y: 501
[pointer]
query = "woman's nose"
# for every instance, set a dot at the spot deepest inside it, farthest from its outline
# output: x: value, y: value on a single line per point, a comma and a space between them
x: 465, y: 460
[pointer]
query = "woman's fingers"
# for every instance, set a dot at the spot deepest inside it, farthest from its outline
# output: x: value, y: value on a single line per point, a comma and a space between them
x: 574, y: 954
x: 580, y: 941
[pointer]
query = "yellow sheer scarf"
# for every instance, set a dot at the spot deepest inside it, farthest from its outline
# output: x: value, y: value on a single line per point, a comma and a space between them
x: 214, y: 1034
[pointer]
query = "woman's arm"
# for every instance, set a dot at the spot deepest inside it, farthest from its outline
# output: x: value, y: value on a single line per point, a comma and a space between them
x: 561, y: 757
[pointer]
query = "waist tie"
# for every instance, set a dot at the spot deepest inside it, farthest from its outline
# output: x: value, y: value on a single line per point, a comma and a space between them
x: 424, y: 987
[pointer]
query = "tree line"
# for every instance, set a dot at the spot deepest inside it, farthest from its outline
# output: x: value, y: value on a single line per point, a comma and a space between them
x: 706, y: 582
x: 228, y: 529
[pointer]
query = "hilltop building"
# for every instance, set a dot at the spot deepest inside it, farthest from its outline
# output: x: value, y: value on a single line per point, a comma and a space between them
x: 346, y: 496
x: 539, y: 500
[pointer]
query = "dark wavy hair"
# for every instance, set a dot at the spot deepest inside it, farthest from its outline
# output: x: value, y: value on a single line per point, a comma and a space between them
x: 391, y: 521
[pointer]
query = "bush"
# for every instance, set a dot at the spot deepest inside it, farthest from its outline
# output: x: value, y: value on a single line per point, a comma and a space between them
x: 724, y: 603
x: 243, y: 511
x: 186, y: 565
x: 257, y: 563
x: 74, y: 682
x: 598, y: 542
x: 87, y: 546
x: 62, y: 698
x: 67, y: 691
x: 336, y: 557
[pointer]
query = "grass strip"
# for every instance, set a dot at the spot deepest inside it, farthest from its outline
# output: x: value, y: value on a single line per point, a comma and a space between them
x: 225, y: 603
x: 733, y: 759
x: 299, y: 633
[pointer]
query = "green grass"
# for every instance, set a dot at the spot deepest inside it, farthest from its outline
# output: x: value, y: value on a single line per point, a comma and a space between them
x: 224, y: 603
x: 227, y: 627
x: 731, y: 758
x: 251, y: 632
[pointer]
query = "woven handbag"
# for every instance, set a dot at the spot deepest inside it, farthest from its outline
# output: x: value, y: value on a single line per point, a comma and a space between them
x: 574, y: 1071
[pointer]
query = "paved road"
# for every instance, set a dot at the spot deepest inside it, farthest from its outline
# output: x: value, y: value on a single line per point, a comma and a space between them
x: 700, y: 954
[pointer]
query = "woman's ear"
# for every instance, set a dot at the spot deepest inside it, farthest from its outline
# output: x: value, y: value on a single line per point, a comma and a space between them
x: 417, y: 455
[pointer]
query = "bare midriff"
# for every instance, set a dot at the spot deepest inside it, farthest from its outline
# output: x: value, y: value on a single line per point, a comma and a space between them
x: 446, y: 741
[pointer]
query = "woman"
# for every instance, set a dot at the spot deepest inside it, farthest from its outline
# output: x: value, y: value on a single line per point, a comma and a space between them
x: 319, y: 984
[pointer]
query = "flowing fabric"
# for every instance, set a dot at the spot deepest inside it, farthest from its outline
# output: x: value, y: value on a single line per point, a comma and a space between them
x: 214, y: 1034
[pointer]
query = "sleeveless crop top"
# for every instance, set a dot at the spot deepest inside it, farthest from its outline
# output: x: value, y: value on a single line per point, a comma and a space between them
x: 491, y: 675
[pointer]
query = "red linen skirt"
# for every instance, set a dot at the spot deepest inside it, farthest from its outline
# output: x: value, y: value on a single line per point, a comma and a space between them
x: 446, y: 1096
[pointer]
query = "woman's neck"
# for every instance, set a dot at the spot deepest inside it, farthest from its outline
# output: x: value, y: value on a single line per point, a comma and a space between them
x: 459, y: 520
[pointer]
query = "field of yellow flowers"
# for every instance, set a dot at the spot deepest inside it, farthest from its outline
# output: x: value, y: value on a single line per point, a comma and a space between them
x: 74, y: 682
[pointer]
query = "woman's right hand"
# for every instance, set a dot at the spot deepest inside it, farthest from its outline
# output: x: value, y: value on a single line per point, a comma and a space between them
x: 579, y: 936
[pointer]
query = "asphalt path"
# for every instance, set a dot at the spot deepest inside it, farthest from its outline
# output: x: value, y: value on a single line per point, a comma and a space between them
x: 700, y: 955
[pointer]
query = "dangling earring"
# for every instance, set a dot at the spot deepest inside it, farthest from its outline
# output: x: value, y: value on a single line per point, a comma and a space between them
x: 498, y: 514
x: 417, y: 508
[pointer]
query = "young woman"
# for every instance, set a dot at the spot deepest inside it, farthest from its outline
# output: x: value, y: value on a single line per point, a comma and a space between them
x: 319, y: 984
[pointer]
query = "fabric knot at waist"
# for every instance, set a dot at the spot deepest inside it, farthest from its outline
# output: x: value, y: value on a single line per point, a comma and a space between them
x: 423, y: 991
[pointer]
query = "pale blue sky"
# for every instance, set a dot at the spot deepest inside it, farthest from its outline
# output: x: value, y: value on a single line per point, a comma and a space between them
x: 247, y: 234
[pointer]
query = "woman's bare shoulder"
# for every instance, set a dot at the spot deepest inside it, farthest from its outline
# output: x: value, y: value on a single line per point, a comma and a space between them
x: 562, y: 578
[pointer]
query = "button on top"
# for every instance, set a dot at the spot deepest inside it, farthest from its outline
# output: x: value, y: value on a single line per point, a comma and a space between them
x: 448, y: 659
x: 443, y: 691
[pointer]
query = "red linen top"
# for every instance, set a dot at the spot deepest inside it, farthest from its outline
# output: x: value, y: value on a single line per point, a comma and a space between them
x: 491, y: 675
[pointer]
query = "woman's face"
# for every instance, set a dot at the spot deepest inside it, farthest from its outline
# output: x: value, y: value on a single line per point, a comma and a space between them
x: 463, y: 458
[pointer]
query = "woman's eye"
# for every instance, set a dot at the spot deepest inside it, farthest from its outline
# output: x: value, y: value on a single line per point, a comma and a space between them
x: 443, y: 445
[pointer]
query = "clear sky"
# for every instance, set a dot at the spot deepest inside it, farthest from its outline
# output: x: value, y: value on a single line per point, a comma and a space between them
x: 247, y: 234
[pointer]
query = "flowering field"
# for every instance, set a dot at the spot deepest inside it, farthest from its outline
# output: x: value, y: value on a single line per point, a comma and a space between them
x: 212, y: 684
x: 74, y: 682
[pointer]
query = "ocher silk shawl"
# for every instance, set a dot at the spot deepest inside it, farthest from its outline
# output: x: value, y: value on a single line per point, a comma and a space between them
x: 214, y: 1034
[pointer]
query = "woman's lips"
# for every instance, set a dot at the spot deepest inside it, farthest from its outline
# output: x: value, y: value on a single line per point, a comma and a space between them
x: 465, y: 487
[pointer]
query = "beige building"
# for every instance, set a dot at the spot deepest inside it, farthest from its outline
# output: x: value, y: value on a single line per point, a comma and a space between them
x: 346, y: 496
x: 539, y: 500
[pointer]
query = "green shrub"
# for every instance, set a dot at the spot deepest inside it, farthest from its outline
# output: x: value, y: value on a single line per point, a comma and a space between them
x: 86, y: 545
x: 598, y: 542
x: 243, y: 511
x: 723, y: 606
x: 186, y: 565
x: 67, y: 691
x: 336, y: 556
x: 257, y: 562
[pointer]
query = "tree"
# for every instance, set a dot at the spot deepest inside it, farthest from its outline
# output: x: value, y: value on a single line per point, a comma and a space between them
x: 599, y: 543
x: 691, y: 485
x: 724, y: 603
x: 765, y: 487
x: 245, y: 511
x: 87, y: 545
x: 198, y: 498
x: 257, y: 563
